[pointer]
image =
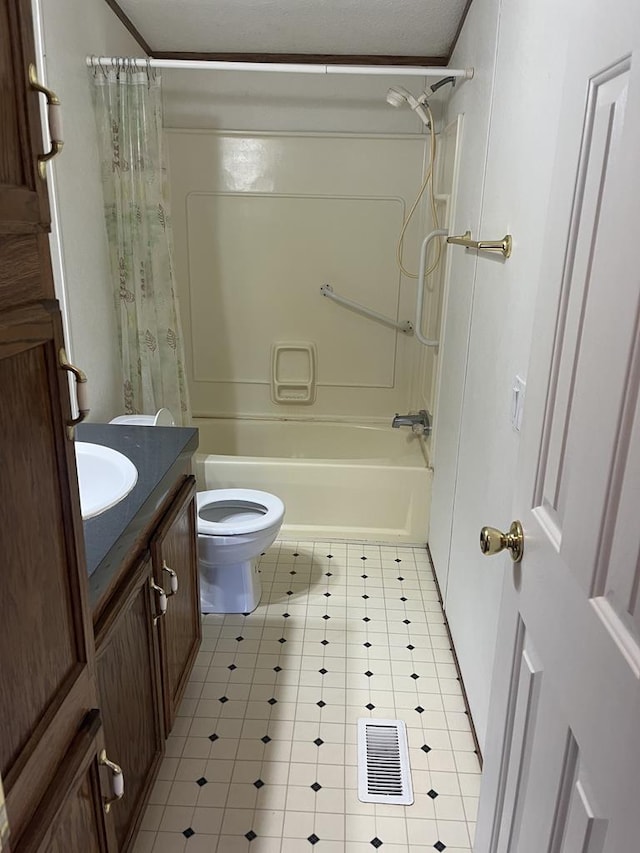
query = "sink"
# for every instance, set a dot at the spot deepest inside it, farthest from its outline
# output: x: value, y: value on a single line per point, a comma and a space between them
x: 105, y: 477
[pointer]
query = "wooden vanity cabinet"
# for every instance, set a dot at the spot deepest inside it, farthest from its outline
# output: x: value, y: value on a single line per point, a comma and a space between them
x: 128, y: 675
x: 175, y: 560
x: 145, y: 653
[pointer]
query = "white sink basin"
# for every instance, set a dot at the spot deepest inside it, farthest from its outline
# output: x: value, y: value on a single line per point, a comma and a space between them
x: 105, y: 477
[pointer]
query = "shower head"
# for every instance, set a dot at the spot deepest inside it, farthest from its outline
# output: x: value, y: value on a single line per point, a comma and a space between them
x: 397, y: 96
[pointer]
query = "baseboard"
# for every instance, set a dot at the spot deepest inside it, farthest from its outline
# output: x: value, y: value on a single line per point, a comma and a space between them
x: 465, y: 699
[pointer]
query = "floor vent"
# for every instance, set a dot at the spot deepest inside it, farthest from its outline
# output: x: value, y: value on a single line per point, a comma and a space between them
x: 384, y: 775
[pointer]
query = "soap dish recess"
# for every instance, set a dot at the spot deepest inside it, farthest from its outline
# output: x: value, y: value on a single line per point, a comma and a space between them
x: 293, y: 373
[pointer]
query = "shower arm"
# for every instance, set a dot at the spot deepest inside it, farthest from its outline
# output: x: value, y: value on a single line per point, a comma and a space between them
x: 438, y: 232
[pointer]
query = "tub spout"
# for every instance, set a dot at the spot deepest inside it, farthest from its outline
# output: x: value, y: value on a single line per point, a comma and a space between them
x: 420, y: 422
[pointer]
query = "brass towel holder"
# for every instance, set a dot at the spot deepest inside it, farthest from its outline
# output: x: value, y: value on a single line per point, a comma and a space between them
x: 503, y: 246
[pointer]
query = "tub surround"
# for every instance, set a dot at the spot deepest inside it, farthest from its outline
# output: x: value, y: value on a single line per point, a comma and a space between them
x: 336, y: 223
x: 338, y: 481
x: 162, y: 456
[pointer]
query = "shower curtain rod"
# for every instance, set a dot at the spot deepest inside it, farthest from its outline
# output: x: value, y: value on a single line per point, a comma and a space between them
x: 285, y: 67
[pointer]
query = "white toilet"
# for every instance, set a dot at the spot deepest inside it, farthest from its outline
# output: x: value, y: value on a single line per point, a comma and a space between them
x: 234, y: 527
x: 162, y: 417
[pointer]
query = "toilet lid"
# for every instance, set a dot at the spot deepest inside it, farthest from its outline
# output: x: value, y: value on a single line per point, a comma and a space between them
x: 227, y: 512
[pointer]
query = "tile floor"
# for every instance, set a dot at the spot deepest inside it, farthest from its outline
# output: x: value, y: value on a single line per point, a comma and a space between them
x: 262, y: 758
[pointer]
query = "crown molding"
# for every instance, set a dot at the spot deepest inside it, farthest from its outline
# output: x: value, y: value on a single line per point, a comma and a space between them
x: 305, y: 58
x: 459, y: 30
x: 117, y: 11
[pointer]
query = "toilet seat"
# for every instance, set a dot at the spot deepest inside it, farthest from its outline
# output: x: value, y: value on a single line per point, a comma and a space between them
x: 236, y: 511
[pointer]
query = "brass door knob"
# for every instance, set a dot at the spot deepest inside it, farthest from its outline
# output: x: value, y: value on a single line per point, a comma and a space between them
x: 492, y: 541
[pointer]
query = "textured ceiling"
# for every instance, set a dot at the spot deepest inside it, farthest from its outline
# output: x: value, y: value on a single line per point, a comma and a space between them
x: 380, y: 27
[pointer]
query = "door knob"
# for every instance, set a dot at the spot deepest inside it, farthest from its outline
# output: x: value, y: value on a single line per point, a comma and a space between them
x: 492, y: 541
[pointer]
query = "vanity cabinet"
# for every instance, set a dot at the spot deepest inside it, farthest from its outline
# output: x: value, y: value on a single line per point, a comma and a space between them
x: 175, y: 569
x: 147, y: 636
x: 128, y: 675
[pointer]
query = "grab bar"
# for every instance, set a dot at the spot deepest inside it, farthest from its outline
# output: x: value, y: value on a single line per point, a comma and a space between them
x: 439, y: 232
x: 403, y: 326
x: 503, y: 246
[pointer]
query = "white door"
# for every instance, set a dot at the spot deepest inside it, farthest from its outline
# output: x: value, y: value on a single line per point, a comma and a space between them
x: 562, y: 769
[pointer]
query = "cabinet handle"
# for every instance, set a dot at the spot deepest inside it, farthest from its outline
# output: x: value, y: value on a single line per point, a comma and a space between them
x: 55, y: 121
x: 81, y: 391
x: 173, y: 576
x: 162, y: 600
x: 117, y: 781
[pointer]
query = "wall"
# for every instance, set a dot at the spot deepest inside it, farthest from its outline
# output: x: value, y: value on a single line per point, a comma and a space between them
x: 507, y: 181
x: 73, y: 29
x: 247, y: 101
x: 471, y: 101
x: 281, y: 183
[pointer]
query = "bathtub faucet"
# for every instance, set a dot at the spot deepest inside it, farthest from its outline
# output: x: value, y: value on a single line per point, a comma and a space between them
x: 420, y: 422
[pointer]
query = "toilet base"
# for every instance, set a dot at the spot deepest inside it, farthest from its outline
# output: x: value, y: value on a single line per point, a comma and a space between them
x: 232, y: 588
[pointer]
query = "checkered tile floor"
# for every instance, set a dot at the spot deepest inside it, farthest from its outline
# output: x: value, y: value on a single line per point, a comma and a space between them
x: 262, y: 758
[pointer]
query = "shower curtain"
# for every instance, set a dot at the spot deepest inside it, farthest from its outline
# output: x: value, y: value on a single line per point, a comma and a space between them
x: 128, y: 109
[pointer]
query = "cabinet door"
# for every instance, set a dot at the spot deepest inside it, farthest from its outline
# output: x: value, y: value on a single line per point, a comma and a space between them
x: 174, y: 550
x: 46, y: 653
x: 24, y: 211
x: 71, y: 815
x: 130, y: 700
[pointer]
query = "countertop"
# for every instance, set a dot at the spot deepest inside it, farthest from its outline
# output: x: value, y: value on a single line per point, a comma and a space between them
x: 162, y: 455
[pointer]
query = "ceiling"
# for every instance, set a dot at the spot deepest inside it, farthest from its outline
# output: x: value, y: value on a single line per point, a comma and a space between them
x: 385, y: 28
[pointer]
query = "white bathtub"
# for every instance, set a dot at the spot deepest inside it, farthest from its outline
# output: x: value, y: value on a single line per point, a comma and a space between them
x: 337, y: 480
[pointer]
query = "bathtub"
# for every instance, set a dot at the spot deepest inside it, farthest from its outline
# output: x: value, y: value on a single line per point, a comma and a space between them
x: 339, y: 481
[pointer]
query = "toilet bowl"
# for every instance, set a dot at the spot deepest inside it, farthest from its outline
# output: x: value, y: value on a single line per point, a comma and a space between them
x: 162, y: 417
x: 234, y: 527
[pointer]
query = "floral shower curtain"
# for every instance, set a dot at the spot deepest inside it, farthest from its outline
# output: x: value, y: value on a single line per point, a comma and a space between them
x: 128, y: 109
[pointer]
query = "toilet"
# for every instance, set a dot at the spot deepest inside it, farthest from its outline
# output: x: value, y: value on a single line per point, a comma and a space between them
x: 162, y: 417
x: 234, y: 527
